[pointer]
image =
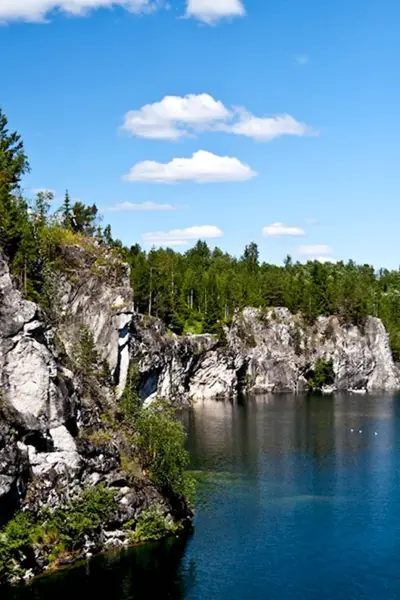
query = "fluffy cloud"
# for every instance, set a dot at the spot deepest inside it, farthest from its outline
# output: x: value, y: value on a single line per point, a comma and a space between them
x: 180, y: 237
x: 143, y: 207
x: 202, y: 167
x: 265, y: 129
x: 39, y: 10
x: 178, y: 116
x: 281, y: 230
x: 170, y: 118
x: 315, y: 250
x: 212, y: 11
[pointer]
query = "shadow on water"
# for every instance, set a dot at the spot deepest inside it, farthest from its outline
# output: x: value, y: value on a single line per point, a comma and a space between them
x: 141, y: 573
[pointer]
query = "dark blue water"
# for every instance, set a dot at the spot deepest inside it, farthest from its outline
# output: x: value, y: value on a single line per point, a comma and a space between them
x: 292, y: 505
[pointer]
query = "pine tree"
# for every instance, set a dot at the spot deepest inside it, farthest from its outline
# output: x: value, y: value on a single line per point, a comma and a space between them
x: 84, y: 218
x: 66, y: 212
x: 13, y: 165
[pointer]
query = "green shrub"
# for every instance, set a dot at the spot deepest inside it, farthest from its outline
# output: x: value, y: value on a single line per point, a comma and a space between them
x: 321, y: 375
x: 15, y: 543
x: 54, y: 533
x: 193, y: 326
x: 152, y: 524
x: 130, y: 401
x: 81, y: 516
x: 160, y: 441
x: 295, y: 333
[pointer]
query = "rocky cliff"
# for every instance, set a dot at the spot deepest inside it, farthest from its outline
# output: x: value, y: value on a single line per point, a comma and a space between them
x: 262, y: 352
x: 53, y: 441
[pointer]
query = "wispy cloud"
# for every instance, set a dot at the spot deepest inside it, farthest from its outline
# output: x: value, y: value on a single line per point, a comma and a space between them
x: 41, y: 10
x: 281, y: 230
x: 202, y: 167
x: 175, y: 117
x: 140, y: 207
x: 212, y: 11
x: 181, y: 237
x: 265, y: 129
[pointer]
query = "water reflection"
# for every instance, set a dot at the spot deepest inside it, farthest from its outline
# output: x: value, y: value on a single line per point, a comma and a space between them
x: 299, y: 497
x: 148, y: 571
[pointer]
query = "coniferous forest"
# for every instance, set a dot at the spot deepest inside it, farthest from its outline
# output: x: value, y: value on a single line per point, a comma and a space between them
x: 196, y: 291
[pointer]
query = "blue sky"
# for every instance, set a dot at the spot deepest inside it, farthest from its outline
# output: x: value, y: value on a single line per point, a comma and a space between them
x: 284, y: 112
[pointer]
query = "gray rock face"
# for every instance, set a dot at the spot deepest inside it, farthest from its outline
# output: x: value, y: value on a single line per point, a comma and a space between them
x: 39, y: 392
x: 37, y: 396
x: 166, y: 363
x: 265, y: 351
x: 14, y: 472
x: 46, y: 456
x: 99, y: 297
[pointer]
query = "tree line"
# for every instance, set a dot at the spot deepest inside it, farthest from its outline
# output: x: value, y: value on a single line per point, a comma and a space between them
x: 196, y: 291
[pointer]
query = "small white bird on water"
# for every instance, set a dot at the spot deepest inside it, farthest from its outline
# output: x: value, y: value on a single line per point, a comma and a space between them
x: 351, y: 430
x: 360, y: 431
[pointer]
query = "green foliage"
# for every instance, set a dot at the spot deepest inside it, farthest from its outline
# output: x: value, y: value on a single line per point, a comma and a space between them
x: 15, y: 543
x: 160, y: 441
x: 99, y: 437
x: 13, y: 165
x: 87, y: 364
x: 83, y: 218
x: 81, y: 517
x: 85, y: 353
x: 296, y: 340
x: 62, y: 531
x: 193, y: 326
x: 152, y: 524
x: 321, y: 375
x: 130, y: 401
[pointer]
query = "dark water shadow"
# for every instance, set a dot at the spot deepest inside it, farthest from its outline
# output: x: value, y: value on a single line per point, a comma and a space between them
x: 141, y: 573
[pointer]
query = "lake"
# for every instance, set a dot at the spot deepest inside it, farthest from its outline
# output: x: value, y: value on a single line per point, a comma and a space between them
x: 299, y: 498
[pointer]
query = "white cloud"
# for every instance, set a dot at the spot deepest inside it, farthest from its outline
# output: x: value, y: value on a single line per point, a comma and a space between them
x: 315, y: 250
x: 301, y: 59
x: 202, y: 167
x: 178, y: 116
x: 266, y: 128
x: 170, y: 118
x: 180, y: 237
x: 39, y: 10
x: 280, y: 230
x: 141, y: 207
x: 212, y: 11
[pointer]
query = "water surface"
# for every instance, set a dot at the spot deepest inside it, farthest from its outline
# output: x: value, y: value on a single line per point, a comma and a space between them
x: 299, y: 498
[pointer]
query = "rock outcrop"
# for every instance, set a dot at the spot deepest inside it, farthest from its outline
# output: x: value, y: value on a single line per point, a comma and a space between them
x: 97, y: 295
x: 264, y: 351
x: 49, y: 452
